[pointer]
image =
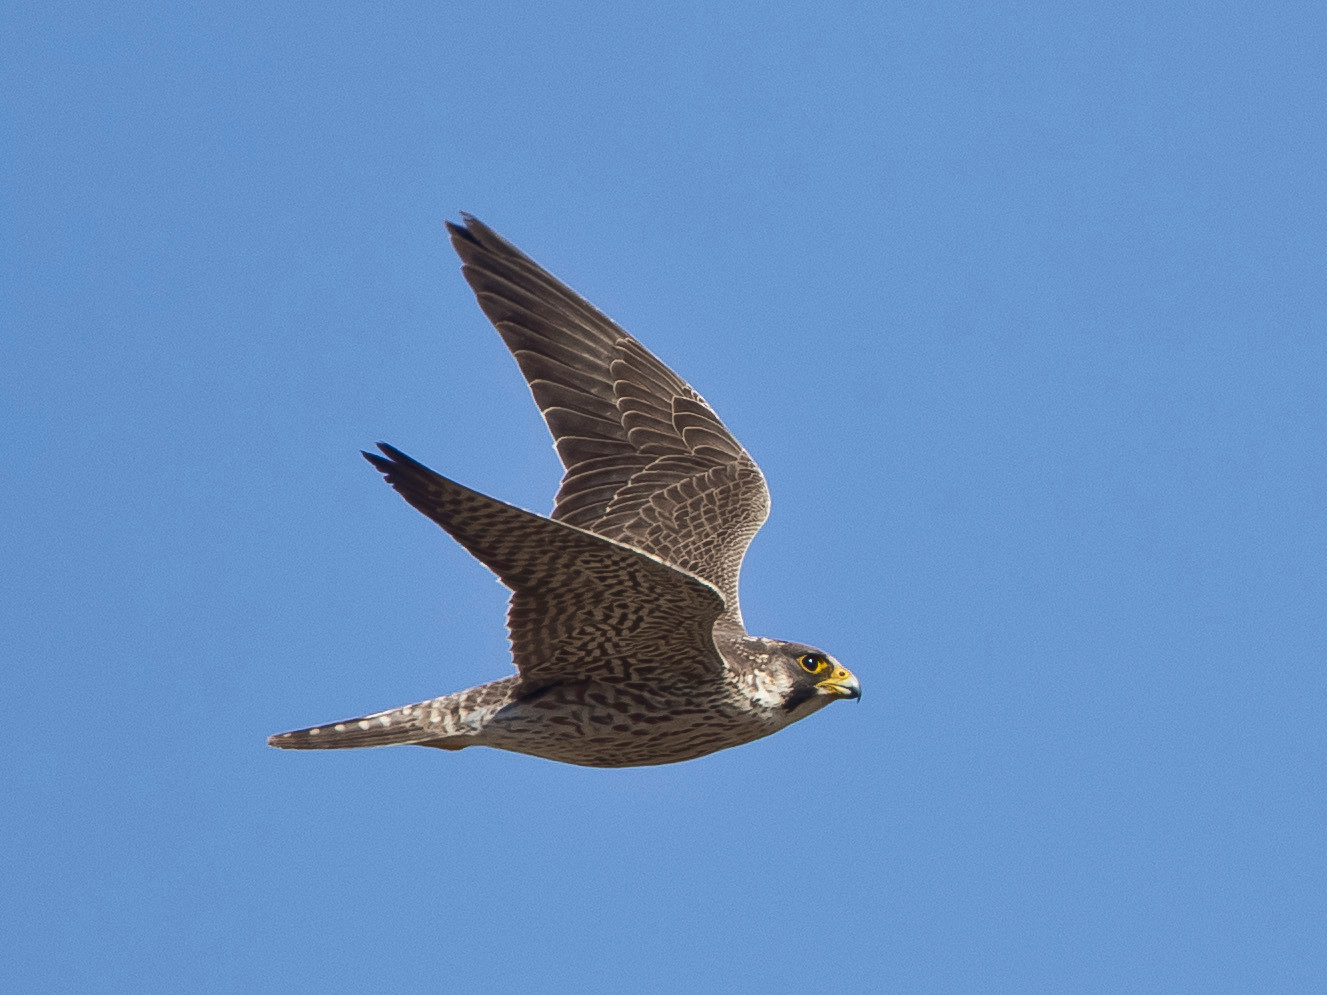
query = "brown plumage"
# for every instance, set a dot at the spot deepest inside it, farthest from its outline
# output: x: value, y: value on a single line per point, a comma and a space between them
x: 624, y: 619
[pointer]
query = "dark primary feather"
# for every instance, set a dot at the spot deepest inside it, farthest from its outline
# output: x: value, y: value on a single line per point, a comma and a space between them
x: 648, y: 462
x: 581, y: 605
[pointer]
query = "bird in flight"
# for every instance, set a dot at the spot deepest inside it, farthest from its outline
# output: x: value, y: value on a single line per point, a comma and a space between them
x: 624, y: 622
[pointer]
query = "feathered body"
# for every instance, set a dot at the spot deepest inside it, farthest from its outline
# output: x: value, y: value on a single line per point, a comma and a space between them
x: 624, y: 620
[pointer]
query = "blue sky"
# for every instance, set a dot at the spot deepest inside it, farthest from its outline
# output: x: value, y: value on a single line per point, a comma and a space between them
x: 1022, y: 310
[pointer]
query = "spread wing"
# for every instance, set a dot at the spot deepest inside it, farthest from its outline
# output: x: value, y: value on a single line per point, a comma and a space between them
x: 648, y: 462
x: 581, y: 605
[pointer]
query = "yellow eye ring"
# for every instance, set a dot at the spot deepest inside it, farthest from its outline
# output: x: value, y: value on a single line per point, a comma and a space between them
x: 812, y: 663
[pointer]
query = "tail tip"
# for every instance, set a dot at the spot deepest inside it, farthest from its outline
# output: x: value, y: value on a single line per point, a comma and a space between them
x: 286, y: 740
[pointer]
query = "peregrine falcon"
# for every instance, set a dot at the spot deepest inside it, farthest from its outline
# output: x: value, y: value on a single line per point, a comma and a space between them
x: 624, y: 623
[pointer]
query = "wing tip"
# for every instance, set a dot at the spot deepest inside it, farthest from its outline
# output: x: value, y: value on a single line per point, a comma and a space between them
x: 391, y: 459
x: 461, y: 231
x: 472, y: 232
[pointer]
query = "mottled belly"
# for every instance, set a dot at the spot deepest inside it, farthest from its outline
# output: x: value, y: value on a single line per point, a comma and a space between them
x: 596, y: 725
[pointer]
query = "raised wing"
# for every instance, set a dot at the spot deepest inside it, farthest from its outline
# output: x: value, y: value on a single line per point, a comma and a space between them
x: 648, y: 462
x: 581, y: 605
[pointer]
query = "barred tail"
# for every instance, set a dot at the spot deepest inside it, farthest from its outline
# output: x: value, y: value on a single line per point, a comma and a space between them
x: 450, y: 722
x: 408, y: 724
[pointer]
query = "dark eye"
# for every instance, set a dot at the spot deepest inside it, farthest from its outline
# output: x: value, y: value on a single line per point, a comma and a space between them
x: 811, y: 663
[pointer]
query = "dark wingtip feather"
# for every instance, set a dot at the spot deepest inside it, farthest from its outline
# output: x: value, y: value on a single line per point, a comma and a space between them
x: 475, y: 235
x: 461, y: 232
x: 394, y: 462
x: 399, y: 458
x: 472, y: 230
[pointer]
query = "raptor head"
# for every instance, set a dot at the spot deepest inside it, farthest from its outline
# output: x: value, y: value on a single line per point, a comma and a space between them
x: 803, y: 678
x: 819, y: 676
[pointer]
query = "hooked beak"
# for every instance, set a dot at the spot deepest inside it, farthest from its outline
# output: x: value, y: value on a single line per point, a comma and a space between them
x: 841, y: 682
